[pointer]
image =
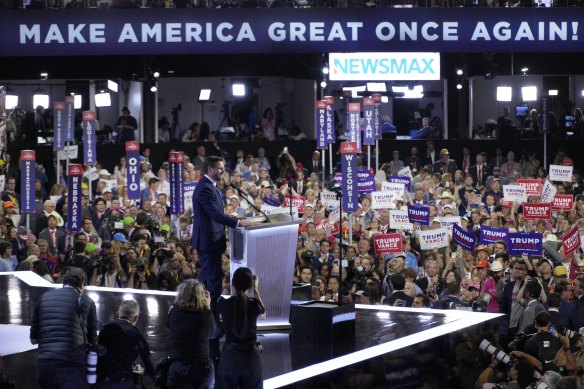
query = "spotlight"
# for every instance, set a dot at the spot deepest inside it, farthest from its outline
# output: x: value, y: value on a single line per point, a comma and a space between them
x: 325, y: 70
x: 459, y: 86
x: 40, y: 98
x: 103, y: 99
x: 11, y: 99
x: 553, y: 92
x: 156, y: 74
x: 459, y: 72
x: 384, y: 99
x: 238, y: 90
x: 524, y: 71
x: 504, y: 93
x: 204, y: 95
x: 77, y: 100
x: 529, y: 93
x: 153, y: 87
x: 44, y: 75
x: 112, y: 85
x: 323, y: 84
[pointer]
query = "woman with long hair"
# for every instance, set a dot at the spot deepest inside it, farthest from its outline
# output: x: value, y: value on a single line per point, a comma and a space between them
x: 240, y: 365
x: 190, y: 323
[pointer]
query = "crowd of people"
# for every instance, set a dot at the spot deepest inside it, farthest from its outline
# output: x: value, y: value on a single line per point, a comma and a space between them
x: 126, y: 243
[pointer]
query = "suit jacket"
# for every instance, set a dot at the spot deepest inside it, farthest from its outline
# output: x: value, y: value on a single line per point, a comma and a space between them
x: 145, y: 195
x: 474, y: 172
x: 46, y: 235
x: 210, y: 221
x: 399, y: 294
x: 449, y: 167
x: 309, y: 166
x: 570, y: 311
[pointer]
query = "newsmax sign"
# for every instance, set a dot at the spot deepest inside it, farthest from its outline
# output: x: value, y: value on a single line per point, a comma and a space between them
x: 384, y: 66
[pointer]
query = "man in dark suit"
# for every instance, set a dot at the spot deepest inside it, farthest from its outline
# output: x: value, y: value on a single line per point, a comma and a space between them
x: 52, y: 235
x: 445, y: 164
x: 397, y: 282
x: 314, y: 165
x: 566, y: 308
x: 209, y: 226
x: 480, y: 171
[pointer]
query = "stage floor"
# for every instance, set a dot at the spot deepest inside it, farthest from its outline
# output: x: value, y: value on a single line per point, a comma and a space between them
x: 287, y: 359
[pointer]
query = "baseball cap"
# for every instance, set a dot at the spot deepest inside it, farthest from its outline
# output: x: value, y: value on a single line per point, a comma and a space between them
x: 483, y: 264
x: 444, y: 152
x: 164, y: 227
x: 120, y: 237
x: 8, y: 204
x: 90, y: 248
x: 560, y: 271
x: 128, y: 221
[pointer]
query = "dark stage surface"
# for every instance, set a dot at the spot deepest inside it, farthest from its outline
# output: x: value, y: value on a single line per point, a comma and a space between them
x: 288, y: 357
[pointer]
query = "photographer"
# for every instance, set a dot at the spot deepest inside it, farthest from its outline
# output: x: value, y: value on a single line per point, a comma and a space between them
x: 108, y: 271
x: 140, y: 277
x: 124, y: 343
x: 543, y: 345
x: 520, y: 375
x: 174, y: 263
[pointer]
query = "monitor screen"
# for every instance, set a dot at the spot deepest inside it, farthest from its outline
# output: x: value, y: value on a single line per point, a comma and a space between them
x: 521, y: 110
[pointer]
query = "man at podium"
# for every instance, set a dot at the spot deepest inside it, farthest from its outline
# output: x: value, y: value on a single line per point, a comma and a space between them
x: 209, y: 226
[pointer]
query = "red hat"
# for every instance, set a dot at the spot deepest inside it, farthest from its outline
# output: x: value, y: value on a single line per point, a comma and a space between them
x: 299, y: 166
x: 483, y: 264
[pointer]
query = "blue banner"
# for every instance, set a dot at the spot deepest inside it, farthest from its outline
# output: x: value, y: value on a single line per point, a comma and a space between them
x: 70, y: 118
x: 330, y: 120
x: 465, y: 239
x: 59, y: 123
x: 89, y: 128
x: 321, y: 141
x: 284, y: 30
x: 377, y: 115
x: 419, y: 214
x: 176, y: 180
x: 401, y: 180
x: 354, y: 113
x: 133, y: 169
x: 489, y: 235
x: 368, y: 121
x: 525, y: 243
x: 27, y: 180
x: 365, y: 183
x: 74, y: 211
x: 350, y: 178
x: 544, y: 117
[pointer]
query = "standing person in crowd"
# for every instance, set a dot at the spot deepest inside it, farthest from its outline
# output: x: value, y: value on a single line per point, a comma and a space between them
x: 269, y: 124
x: 190, y: 323
x: 240, y: 365
x: 126, y: 126
x: 123, y: 343
x: 64, y: 322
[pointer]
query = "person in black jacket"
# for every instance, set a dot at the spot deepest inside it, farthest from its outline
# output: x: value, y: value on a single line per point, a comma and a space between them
x: 240, y: 365
x: 64, y: 321
x: 123, y: 343
x: 190, y: 323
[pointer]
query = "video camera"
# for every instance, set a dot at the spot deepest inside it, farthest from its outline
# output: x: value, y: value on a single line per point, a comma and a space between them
x: 499, y: 354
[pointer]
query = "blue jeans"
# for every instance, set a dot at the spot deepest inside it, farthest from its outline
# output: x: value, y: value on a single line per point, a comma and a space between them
x: 61, y: 375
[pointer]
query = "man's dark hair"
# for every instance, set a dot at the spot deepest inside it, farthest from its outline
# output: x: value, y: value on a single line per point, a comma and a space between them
x: 325, y: 240
x: 77, y: 235
x: 554, y: 300
x: 138, y: 237
x: 561, y: 287
x: 425, y: 299
x: 74, y: 276
x: 408, y: 272
x: 79, y: 247
x: 4, y: 245
x: 397, y: 281
x: 305, y: 267
x: 99, y: 200
x: 52, y: 217
x: 502, y: 242
x: 106, y: 244
x: 524, y: 373
x: 533, y: 289
x: 453, y: 288
x: 211, y: 161
x: 504, y: 257
x: 543, y: 319
x: 141, y: 219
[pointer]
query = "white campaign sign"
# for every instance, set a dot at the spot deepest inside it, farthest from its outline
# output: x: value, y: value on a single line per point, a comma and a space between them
x: 449, y: 222
x: 400, y: 219
x: 405, y: 172
x: 548, y: 192
x: 433, y: 239
x: 561, y: 173
x: 382, y: 200
x: 329, y: 199
x: 398, y: 189
x: 515, y: 193
x: 271, y: 210
x: 72, y: 151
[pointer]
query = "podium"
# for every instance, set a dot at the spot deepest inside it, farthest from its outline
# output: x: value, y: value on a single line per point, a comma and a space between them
x: 269, y: 250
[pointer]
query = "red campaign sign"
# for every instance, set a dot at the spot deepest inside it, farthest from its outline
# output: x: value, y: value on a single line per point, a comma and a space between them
x: 75, y: 169
x: 321, y: 104
x: 532, y: 186
x: 563, y: 202
x: 330, y: 100
x: 348, y: 147
x: 388, y: 243
x: 176, y: 157
x: 89, y: 115
x: 571, y: 241
x: 325, y: 224
x: 27, y: 155
x: 533, y: 211
x: 297, y: 201
x: 132, y: 145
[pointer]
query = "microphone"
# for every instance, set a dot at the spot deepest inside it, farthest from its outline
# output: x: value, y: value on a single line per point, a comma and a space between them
x: 244, y: 195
